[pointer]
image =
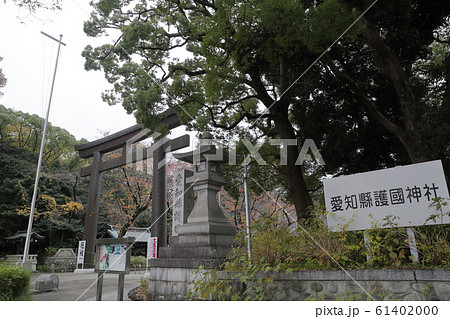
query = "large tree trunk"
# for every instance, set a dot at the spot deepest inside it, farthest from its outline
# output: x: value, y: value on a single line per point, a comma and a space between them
x: 279, y: 113
x: 295, y: 181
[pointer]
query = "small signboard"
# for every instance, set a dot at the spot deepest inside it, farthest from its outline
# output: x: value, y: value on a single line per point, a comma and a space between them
x: 152, y: 248
x: 360, y: 201
x: 113, y: 255
x: 81, y: 251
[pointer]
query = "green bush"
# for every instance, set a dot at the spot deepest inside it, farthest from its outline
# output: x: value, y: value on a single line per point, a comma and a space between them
x: 138, y: 262
x: 15, y: 282
x: 312, y: 246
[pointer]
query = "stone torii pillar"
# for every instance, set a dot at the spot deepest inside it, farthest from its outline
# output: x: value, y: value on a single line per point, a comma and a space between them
x: 97, y: 149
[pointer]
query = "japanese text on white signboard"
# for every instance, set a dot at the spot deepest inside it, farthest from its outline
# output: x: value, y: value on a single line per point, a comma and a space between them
x: 152, y: 249
x: 359, y: 201
x: 81, y: 251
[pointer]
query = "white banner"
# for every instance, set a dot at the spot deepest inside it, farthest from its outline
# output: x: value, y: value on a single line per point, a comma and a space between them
x: 402, y: 194
x: 81, y: 251
x: 152, y: 248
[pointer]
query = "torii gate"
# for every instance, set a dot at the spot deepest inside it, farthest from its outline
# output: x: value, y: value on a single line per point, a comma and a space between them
x: 97, y: 149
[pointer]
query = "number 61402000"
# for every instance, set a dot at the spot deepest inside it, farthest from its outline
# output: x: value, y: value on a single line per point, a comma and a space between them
x: 407, y: 310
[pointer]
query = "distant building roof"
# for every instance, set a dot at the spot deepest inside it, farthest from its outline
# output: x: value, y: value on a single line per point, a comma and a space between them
x: 141, y: 235
x: 113, y: 233
x: 21, y: 234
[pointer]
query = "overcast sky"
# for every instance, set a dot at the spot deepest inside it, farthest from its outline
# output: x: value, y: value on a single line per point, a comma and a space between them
x: 28, y: 64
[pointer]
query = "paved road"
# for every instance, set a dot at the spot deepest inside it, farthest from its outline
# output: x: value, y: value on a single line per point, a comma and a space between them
x: 73, y: 287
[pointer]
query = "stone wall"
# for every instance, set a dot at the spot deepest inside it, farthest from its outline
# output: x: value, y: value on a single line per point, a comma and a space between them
x: 381, y: 284
x: 64, y: 260
x: 16, y: 260
x: 171, y: 283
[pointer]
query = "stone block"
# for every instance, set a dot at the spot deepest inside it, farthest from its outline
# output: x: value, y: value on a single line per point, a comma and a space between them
x: 353, y: 287
x: 201, y: 240
x: 316, y: 286
x: 376, y: 289
x: 332, y: 287
x: 431, y: 275
x: 176, y: 274
x: 299, y: 286
x: 294, y: 295
x: 420, y: 287
x: 413, y: 297
x: 198, y: 252
x: 442, y: 290
x: 398, y: 287
x: 280, y: 295
x: 160, y: 273
x: 206, y: 263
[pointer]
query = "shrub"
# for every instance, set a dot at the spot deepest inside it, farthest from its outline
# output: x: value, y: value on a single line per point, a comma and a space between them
x: 312, y: 246
x: 138, y: 262
x: 15, y: 282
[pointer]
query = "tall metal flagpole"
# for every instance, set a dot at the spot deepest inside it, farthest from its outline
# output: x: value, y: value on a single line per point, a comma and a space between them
x: 247, y: 211
x: 41, y: 153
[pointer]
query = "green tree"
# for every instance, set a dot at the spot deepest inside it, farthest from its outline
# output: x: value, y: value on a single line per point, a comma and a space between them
x: 240, y: 67
x: 25, y: 130
x: 2, y: 78
x: 34, y: 5
x: 242, y: 57
x: 60, y: 184
x: 383, y: 69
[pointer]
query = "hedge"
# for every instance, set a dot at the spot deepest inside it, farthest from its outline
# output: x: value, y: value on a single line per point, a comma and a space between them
x: 15, y: 282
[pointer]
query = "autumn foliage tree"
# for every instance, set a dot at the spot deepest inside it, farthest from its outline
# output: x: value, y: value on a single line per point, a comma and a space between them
x: 126, y: 195
x: 59, y: 210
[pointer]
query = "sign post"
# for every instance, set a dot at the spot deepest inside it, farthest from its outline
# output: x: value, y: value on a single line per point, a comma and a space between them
x: 113, y: 256
x: 152, y: 248
x: 412, y: 244
x: 81, y: 252
x: 376, y: 198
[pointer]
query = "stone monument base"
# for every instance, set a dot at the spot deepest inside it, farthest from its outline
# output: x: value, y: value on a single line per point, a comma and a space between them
x: 197, y: 246
x: 173, y: 279
x: 188, y: 257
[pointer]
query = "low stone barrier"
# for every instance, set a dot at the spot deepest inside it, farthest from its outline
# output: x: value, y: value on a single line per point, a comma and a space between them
x: 380, y: 284
x: 64, y: 260
x: 16, y: 260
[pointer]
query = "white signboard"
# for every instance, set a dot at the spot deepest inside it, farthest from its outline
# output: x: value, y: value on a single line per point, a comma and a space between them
x: 360, y: 201
x: 112, y: 257
x: 81, y: 251
x: 152, y: 248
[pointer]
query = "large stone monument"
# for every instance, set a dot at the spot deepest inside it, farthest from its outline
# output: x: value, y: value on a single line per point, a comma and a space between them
x: 205, y: 237
x: 207, y: 234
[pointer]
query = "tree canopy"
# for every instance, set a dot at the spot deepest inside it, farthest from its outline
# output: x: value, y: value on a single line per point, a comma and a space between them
x: 2, y: 78
x: 371, y: 96
x: 59, y: 209
x: 34, y: 5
